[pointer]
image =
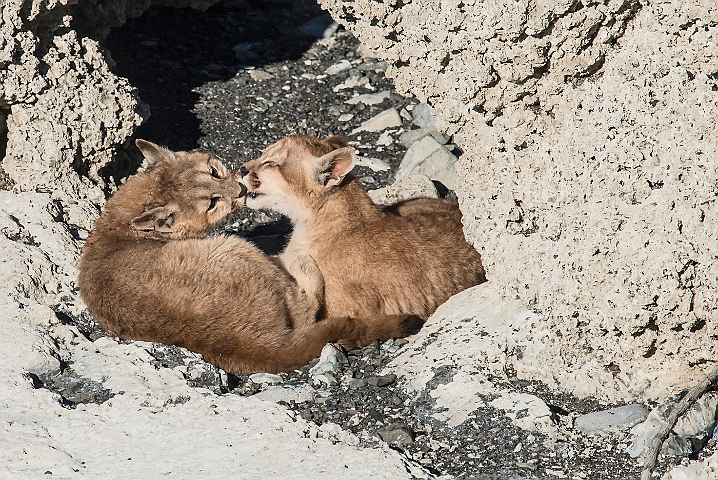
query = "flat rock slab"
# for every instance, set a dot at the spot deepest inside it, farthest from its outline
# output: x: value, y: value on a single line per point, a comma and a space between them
x: 618, y: 418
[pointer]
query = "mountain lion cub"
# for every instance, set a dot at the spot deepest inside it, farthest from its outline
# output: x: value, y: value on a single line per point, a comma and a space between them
x: 149, y: 272
x: 410, y: 257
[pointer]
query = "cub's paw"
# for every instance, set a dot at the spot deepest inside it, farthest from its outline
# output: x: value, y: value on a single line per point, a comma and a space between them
x: 411, y: 325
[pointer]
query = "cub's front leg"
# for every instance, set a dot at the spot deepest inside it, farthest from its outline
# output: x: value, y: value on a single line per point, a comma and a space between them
x: 309, y: 280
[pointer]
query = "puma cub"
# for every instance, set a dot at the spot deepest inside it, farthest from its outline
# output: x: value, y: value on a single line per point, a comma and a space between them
x: 410, y: 257
x: 149, y: 272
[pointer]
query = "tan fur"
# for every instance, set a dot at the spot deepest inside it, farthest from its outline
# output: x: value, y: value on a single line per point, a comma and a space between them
x: 148, y: 272
x: 410, y: 257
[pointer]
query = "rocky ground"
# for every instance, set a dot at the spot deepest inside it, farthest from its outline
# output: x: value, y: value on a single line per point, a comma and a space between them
x: 240, y: 76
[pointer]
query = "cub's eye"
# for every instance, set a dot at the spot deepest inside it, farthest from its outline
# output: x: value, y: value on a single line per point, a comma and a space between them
x: 213, y: 203
x: 214, y: 172
x: 269, y: 163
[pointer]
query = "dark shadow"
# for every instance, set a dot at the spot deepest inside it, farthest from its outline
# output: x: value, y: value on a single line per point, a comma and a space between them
x: 5, y: 181
x: 271, y: 238
x: 168, y: 52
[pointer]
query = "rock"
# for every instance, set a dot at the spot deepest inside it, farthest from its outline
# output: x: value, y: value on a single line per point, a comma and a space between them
x: 423, y: 117
x: 409, y: 137
x: 268, y: 378
x: 331, y: 361
x: 415, y: 186
x: 385, y: 139
x: 369, y: 98
x: 596, y: 152
x: 396, y: 434
x: 373, y: 163
x: 707, y: 469
x: 387, y: 119
x: 526, y: 411
x: 287, y: 394
x: 259, y: 75
x: 319, y: 27
x: 618, y: 418
x: 691, y: 428
x: 430, y: 158
x: 338, y: 67
x: 357, y: 382
x: 381, y: 381
x: 355, y: 78
x: 345, y: 117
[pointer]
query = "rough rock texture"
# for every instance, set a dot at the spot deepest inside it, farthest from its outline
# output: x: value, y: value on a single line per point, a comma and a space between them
x: 67, y: 113
x: 588, y: 179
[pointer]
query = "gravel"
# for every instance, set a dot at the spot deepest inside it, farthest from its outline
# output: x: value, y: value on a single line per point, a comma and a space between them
x: 235, y: 79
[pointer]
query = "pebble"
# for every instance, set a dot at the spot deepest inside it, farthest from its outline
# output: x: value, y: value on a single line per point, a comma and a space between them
x: 370, y: 98
x: 345, y: 117
x: 268, y: 378
x: 259, y: 75
x: 423, y: 117
x: 330, y: 361
x: 382, y: 381
x: 387, y: 119
x: 385, y: 139
x: 430, y: 158
x: 338, y: 67
x: 373, y: 163
x: 396, y: 434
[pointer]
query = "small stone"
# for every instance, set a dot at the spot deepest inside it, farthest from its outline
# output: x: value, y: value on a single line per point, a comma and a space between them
x: 345, y: 117
x: 297, y: 394
x: 338, y: 67
x: 334, y: 111
x: 259, y: 75
x: 430, y: 158
x: 396, y: 434
x: 386, y: 119
x: 385, y: 139
x: 268, y: 378
x: 370, y: 98
x: 373, y: 163
x: 357, y: 382
x: 406, y: 115
x: 382, y: 381
x: 612, y: 419
x: 412, y: 136
x: 367, y: 179
x: 330, y: 361
x: 423, y: 117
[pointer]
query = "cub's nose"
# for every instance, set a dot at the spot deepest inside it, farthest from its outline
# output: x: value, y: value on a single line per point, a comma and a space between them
x: 242, y: 190
x: 243, y: 171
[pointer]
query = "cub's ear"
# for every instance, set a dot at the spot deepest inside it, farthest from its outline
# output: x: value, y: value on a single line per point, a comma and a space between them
x: 159, y: 219
x: 337, y: 141
x: 334, y: 166
x: 153, y: 153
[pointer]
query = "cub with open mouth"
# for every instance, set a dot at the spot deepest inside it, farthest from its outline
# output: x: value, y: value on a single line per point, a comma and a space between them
x: 409, y: 257
x: 149, y: 271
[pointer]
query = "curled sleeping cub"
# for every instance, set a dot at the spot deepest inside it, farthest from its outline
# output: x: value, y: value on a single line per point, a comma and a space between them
x: 410, y: 257
x: 149, y: 271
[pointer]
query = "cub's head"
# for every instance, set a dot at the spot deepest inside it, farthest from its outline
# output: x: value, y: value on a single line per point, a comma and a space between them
x: 181, y: 195
x: 297, y: 171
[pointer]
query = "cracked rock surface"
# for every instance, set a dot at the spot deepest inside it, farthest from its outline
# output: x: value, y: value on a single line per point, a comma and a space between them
x: 588, y: 180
